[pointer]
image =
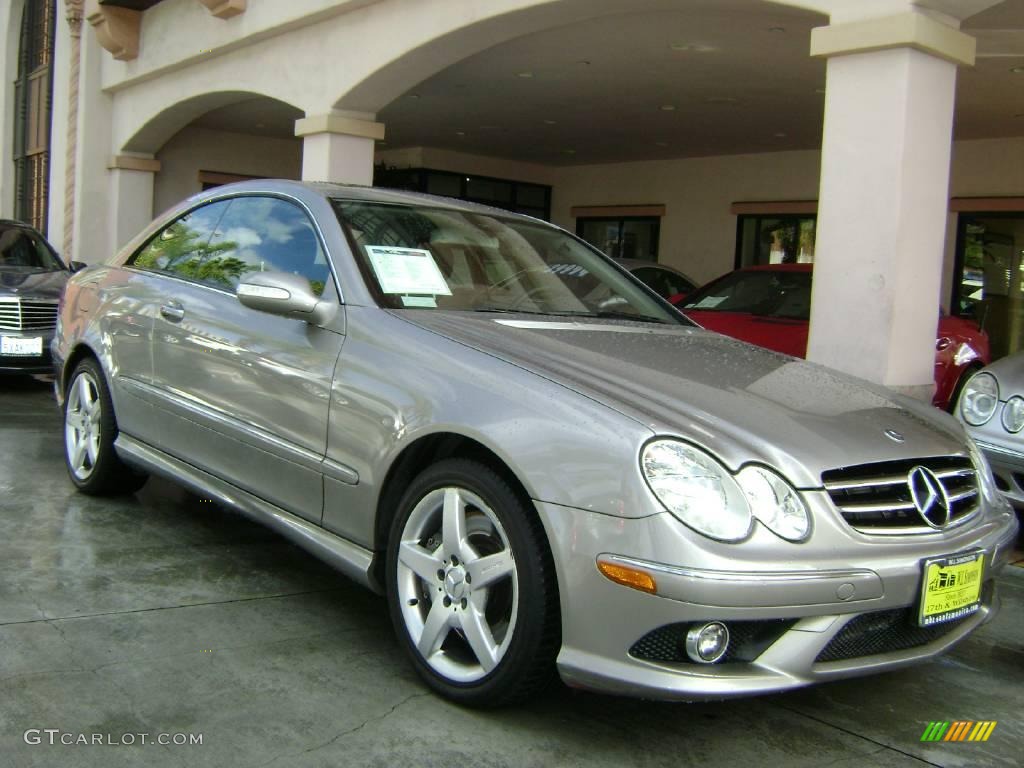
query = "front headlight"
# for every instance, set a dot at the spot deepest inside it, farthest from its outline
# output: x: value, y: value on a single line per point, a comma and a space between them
x: 698, y: 490
x: 979, y: 399
x: 775, y: 503
x: 1013, y: 414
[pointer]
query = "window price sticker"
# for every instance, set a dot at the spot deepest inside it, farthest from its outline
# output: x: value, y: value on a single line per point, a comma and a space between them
x: 407, y: 270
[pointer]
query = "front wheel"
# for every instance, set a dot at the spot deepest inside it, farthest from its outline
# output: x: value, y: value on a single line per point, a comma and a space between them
x: 471, y: 586
x: 89, y: 433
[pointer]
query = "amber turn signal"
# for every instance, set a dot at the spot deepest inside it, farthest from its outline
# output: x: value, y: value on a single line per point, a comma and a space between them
x: 628, y: 577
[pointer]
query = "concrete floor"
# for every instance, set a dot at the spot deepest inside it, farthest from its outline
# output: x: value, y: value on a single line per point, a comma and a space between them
x: 161, y: 613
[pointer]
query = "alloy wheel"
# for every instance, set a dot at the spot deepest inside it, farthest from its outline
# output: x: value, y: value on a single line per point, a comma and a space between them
x: 458, y: 584
x: 82, y: 426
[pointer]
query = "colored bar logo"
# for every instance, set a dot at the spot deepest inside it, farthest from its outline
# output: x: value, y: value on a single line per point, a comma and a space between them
x: 959, y: 730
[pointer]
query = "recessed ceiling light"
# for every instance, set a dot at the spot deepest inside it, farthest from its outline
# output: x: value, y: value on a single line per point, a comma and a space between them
x: 776, y: 29
x: 550, y: 122
x: 721, y: 100
x: 414, y: 95
x: 780, y: 135
x: 668, y: 107
x: 460, y: 133
x: 524, y: 75
x: 568, y: 151
x: 693, y: 47
x: 1018, y: 70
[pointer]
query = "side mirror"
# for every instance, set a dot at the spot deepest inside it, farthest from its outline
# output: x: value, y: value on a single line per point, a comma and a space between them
x: 284, y: 294
x: 77, y: 266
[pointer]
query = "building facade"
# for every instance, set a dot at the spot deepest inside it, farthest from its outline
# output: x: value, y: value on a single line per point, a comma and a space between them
x: 883, y: 140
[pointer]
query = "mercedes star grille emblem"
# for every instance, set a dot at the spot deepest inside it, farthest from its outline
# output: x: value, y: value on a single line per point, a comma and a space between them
x: 929, y: 496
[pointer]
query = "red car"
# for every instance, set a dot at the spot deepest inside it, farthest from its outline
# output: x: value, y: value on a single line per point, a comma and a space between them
x: 770, y: 306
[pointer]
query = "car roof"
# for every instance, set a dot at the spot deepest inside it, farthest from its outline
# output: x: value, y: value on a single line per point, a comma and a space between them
x: 359, y: 193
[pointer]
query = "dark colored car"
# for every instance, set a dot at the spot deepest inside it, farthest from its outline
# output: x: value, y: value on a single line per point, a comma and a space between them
x: 669, y: 283
x: 32, y: 279
x: 770, y: 306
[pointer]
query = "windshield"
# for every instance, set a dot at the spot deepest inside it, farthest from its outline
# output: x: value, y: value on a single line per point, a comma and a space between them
x: 22, y: 250
x: 766, y: 293
x: 431, y: 258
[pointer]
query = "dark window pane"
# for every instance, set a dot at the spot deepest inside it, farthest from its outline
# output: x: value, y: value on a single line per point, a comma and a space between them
x: 640, y: 240
x: 444, y: 184
x: 531, y: 195
x: 488, y: 190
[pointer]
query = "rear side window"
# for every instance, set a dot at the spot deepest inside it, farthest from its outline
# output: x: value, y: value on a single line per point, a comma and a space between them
x: 180, y: 248
x: 266, y: 234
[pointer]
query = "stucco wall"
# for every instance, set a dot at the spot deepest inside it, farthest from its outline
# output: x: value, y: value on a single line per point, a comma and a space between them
x: 196, y: 149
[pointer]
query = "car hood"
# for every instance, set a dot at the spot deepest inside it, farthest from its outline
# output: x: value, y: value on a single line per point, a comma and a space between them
x: 743, y: 403
x: 36, y: 285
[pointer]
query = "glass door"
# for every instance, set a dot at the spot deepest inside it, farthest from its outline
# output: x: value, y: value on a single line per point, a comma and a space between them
x: 781, y: 239
x: 988, y: 284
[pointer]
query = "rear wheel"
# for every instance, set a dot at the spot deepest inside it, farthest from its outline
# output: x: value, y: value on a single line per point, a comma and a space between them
x: 89, y: 433
x: 471, y: 586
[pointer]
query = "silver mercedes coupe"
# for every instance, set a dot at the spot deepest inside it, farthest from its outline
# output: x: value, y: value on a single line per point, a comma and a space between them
x: 538, y: 460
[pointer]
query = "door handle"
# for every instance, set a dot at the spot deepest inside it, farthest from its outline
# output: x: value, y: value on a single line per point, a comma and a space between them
x: 173, y: 311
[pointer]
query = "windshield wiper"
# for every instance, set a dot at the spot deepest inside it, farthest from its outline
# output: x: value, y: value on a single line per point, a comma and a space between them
x: 611, y: 314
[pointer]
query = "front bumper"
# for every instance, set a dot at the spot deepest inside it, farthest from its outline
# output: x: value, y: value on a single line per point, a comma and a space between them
x: 820, y: 613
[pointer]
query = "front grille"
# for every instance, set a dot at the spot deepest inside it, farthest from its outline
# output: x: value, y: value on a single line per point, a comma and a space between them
x: 747, y: 641
x: 876, y: 498
x: 17, y: 314
x: 882, y: 632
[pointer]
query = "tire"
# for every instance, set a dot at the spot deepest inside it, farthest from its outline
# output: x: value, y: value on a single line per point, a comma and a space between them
x: 485, y: 642
x: 89, y: 433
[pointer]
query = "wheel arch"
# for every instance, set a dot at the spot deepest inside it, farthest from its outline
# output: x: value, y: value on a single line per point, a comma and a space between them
x: 80, y: 352
x: 422, y: 453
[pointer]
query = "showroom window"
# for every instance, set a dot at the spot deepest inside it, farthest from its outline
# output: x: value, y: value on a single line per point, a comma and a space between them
x: 622, y: 237
x: 775, y: 239
x: 516, y: 196
x: 33, y: 95
x: 988, y: 282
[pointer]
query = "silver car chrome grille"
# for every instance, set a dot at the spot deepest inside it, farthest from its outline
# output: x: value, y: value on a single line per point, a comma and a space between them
x: 18, y: 314
x: 877, y: 498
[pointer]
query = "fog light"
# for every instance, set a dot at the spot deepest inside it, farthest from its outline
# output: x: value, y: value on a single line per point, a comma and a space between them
x: 707, y: 643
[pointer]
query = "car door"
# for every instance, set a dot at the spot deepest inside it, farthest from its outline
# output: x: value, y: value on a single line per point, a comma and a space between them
x: 245, y: 393
x: 134, y: 297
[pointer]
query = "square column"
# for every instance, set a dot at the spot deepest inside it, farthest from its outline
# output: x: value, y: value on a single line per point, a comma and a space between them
x: 130, y: 207
x: 884, y: 197
x: 338, y: 147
